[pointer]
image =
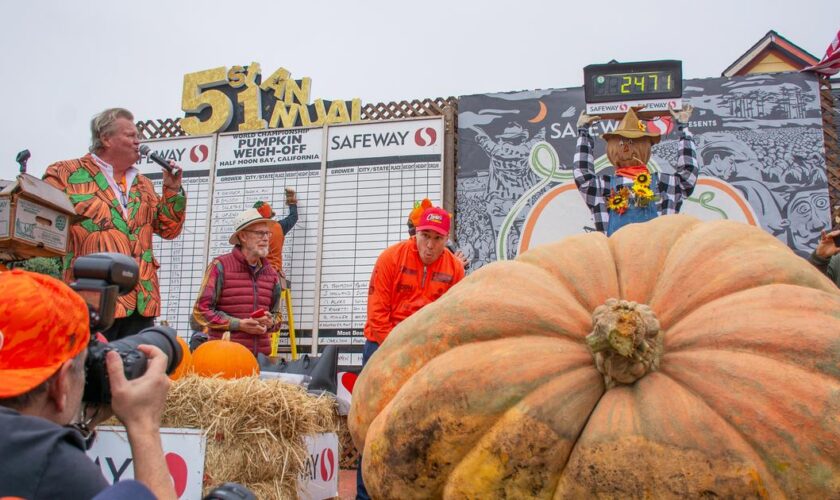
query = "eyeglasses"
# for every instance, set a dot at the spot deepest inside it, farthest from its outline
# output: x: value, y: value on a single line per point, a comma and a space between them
x: 261, y: 234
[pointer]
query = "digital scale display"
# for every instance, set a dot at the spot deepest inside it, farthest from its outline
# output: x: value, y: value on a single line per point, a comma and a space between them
x: 650, y: 83
x: 611, y: 89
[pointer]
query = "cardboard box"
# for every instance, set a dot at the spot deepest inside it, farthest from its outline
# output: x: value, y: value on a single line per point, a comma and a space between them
x: 35, y: 220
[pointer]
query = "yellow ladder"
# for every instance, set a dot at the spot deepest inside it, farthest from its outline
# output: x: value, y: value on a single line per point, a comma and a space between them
x: 286, y: 295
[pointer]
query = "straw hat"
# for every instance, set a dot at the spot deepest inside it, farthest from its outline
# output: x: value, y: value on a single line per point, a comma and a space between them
x: 632, y: 128
x: 244, y: 219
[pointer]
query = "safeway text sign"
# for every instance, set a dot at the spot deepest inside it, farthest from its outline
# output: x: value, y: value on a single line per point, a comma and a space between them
x: 319, y: 478
x: 183, y: 448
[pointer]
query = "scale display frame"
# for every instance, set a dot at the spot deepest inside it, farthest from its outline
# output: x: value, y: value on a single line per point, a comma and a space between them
x: 635, y: 78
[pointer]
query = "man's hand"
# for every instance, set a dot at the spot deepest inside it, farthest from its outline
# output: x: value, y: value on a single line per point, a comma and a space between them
x: 461, y: 258
x: 139, y: 403
x: 252, y: 326
x: 172, y: 179
x: 266, y: 320
x: 584, y: 120
x: 291, y: 196
x: 682, y: 116
x: 826, y: 248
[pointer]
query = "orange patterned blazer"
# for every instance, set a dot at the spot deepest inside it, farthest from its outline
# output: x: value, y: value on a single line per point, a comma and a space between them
x: 104, y: 227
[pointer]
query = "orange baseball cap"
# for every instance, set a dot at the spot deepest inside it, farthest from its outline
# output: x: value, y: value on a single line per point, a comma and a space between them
x: 43, y: 323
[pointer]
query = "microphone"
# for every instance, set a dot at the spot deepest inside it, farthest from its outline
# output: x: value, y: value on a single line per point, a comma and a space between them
x: 145, y: 151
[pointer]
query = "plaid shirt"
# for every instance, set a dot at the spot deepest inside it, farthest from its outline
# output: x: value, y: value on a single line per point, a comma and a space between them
x: 671, y: 188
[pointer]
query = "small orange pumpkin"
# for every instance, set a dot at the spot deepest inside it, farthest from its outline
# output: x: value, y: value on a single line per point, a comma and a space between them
x: 224, y: 358
x: 185, y: 366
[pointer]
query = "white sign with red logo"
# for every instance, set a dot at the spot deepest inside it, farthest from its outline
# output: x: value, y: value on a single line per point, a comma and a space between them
x: 378, y: 140
x: 183, y: 448
x: 184, y: 258
x: 190, y: 153
x: 346, y: 382
x: 607, y: 108
x: 319, y: 478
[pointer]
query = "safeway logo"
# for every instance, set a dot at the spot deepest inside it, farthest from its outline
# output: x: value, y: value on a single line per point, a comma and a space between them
x: 425, y: 136
x: 327, y: 464
x: 178, y: 470
x: 199, y: 153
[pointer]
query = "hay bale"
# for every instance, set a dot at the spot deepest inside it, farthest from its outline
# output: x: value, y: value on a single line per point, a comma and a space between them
x: 254, y: 429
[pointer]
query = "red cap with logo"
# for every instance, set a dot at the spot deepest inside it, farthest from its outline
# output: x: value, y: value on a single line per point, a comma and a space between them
x: 435, y: 219
x: 43, y: 323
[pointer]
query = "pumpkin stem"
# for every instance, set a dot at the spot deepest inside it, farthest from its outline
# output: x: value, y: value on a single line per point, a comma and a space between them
x: 226, y: 336
x: 625, y: 341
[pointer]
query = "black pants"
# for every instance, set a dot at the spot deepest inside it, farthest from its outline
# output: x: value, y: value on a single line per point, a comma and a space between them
x: 123, y: 327
x: 361, y: 491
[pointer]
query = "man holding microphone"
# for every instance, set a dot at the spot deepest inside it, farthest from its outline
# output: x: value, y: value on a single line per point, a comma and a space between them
x: 119, y: 211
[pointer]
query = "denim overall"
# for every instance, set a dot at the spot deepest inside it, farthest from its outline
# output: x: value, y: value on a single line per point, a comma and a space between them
x: 633, y: 214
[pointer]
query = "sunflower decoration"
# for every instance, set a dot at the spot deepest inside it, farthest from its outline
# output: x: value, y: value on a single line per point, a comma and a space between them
x: 643, y: 195
x: 642, y: 179
x: 619, y: 201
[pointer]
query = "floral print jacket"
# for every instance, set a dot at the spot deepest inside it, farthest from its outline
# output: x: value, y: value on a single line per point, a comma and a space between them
x: 105, y: 227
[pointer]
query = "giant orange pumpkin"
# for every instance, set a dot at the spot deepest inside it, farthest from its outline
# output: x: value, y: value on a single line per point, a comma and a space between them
x: 729, y: 382
x: 224, y: 358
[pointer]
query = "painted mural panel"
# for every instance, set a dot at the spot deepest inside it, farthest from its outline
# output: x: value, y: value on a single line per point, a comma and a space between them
x: 759, y: 142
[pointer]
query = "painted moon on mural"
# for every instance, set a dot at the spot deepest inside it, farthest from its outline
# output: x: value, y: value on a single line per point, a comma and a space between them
x: 560, y: 212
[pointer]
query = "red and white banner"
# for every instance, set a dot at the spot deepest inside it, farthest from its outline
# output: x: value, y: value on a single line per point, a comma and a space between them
x: 830, y: 63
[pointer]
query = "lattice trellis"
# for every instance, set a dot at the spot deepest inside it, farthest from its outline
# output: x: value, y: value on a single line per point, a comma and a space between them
x: 832, y: 146
x: 160, y: 129
x: 170, y: 127
x: 349, y: 456
x: 408, y: 109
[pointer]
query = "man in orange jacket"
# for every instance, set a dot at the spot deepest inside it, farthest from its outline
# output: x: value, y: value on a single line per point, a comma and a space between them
x: 406, y: 277
x: 280, y: 230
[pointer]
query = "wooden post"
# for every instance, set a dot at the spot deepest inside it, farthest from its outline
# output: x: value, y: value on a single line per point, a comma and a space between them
x: 832, y: 146
x: 450, y: 134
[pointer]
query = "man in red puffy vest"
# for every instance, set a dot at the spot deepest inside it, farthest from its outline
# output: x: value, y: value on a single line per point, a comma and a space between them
x: 240, y: 292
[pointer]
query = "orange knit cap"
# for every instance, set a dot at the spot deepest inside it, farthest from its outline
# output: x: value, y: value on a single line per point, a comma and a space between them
x: 419, y: 208
x: 43, y: 323
x: 264, y: 209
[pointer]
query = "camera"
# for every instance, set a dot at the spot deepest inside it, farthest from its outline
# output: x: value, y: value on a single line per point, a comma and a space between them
x: 100, y: 279
x: 230, y: 491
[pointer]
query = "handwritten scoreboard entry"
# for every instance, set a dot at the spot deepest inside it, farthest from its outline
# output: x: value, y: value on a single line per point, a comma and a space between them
x: 355, y: 183
x: 182, y: 260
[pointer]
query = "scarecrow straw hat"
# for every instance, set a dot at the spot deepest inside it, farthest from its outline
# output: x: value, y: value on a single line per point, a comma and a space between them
x: 632, y: 128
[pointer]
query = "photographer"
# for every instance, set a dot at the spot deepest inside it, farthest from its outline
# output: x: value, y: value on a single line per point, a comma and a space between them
x: 44, y: 337
x: 824, y: 257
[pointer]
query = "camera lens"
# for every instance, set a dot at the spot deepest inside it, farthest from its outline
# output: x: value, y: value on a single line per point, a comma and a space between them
x: 162, y: 337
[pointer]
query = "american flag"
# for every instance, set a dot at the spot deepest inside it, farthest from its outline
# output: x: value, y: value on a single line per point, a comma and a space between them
x: 830, y: 63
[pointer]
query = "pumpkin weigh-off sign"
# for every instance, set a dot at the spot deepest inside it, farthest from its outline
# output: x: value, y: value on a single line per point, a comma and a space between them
x: 677, y: 358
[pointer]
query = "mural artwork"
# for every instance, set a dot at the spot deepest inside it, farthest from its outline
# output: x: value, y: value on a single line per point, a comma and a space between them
x: 759, y: 142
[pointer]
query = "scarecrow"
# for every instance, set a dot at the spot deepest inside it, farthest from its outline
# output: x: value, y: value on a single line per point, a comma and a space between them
x: 633, y: 193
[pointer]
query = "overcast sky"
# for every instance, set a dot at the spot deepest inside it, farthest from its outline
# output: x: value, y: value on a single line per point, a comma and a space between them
x: 64, y: 61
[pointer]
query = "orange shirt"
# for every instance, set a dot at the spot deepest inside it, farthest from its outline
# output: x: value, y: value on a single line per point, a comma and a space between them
x: 275, y: 247
x: 401, y: 284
